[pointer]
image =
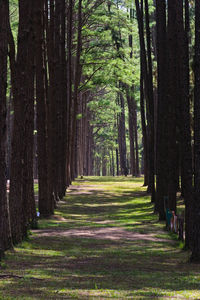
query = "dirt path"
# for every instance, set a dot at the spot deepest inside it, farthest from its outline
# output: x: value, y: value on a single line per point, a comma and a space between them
x: 104, y: 242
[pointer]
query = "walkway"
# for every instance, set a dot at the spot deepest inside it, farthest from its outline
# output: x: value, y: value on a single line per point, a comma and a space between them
x: 104, y: 242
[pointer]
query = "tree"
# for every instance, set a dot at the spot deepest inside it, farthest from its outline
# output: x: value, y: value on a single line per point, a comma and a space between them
x: 21, y: 196
x: 184, y: 118
x: 196, y: 203
x: 148, y: 88
x: 46, y: 205
x: 162, y: 111
x: 5, y: 233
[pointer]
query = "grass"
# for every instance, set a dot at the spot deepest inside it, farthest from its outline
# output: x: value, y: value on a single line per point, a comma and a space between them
x: 104, y: 242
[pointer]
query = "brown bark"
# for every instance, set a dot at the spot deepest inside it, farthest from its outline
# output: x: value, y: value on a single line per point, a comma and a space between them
x: 117, y: 160
x: 150, y: 108
x: 69, y: 87
x: 21, y: 186
x: 5, y: 233
x: 184, y: 119
x: 195, y: 257
x: 148, y: 87
x: 104, y: 163
x: 131, y: 134
x: 77, y: 79
x: 136, y: 141
x: 46, y: 206
x: 122, y: 135
x: 162, y: 112
x: 64, y: 99
x: 172, y: 101
x: 28, y: 204
x: 50, y: 97
x: 144, y: 129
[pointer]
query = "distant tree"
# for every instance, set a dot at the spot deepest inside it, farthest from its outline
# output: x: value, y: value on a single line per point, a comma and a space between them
x: 122, y: 135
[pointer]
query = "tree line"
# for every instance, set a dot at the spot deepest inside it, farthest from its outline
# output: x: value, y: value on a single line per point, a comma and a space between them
x: 104, y: 87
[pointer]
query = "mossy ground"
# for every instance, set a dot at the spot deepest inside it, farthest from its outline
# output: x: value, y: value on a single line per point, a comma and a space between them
x: 104, y: 242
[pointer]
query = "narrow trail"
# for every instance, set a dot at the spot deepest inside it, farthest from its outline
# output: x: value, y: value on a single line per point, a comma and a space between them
x: 104, y: 242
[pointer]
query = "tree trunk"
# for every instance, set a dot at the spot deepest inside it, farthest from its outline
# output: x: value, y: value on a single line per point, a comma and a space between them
x: 46, y: 206
x: 162, y: 112
x: 5, y: 233
x: 195, y: 257
x: 144, y: 129
x: 77, y: 78
x: 122, y: 136
x: 148, y: 87
x: 131, y: 134
x: 20, y: 186
x: 184, y: 119
x: 173, y: 78
x: 28, y: 204
x: 150, y: 108
x: 136, y: 140
x: 117, y: 160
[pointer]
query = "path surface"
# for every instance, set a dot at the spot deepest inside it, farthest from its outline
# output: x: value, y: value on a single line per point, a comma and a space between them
x: 104, y: 242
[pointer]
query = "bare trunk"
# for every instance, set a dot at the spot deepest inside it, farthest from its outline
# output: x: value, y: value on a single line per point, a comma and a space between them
x: 5, y: 233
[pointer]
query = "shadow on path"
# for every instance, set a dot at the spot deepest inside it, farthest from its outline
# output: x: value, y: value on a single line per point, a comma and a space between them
x: 103, y: 243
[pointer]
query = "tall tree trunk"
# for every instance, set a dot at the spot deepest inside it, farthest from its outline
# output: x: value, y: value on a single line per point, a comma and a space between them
x: 148, y: 87
x: 5, y: 233
x: 131, y: 134
x: 117, y: 160
x: 196, y: 203
x: 144, y: 129
x: 77, y: 78
x: 136, y: 140
x: 69, y: 88
x: 28, y: 204
x: 122, y: 136
x: 162, y: 112
x: 173, y: 77
x: 51, y: 100
x: 150, y: 108
x: 113, y: 164
x: 64, y: 98
x: 46, y: 206
x: 20, y: 187
x: 104, y: 163
x: 184, y: 120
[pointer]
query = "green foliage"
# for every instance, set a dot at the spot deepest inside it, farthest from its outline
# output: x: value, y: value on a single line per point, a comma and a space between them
x: 106, y: 61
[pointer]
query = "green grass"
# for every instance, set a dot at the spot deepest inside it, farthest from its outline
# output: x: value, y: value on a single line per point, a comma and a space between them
x: 104, y: 242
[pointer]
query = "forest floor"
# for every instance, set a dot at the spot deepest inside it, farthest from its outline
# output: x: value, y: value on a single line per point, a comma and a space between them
x: 104, y: 242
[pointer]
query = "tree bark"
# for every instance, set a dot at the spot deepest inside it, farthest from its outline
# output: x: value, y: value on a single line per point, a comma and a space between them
x: 184, y: 119
x: 122, y: 135
x: 162, y: 112
x: 173, y: 77
x: 46, y: 206
x: 77, y: 78
x: 5, y: 233
x: 148, y: 87
x: 144, y: 129
x: 195, y: 257
x: 21, y: 186
x: 131, y: 134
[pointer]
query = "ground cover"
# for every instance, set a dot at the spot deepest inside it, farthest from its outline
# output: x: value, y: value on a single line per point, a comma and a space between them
x: 104, y: 242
